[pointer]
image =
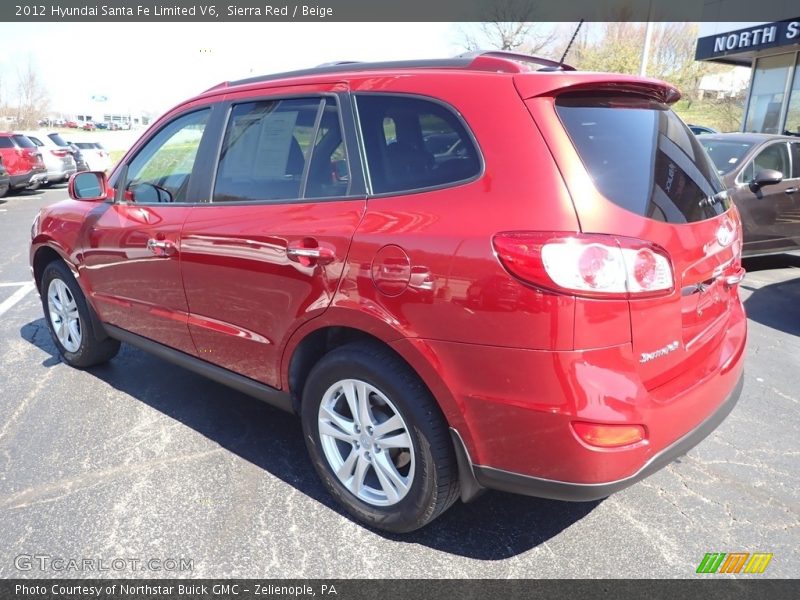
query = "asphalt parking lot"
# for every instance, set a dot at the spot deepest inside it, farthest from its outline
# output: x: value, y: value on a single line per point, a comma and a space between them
x: 139, y: 459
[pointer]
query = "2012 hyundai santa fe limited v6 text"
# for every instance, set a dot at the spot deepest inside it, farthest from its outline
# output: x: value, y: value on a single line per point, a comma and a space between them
x: 485, y: 272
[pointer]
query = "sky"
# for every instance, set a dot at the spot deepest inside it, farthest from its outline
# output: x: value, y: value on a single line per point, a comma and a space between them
x: 153, y: 66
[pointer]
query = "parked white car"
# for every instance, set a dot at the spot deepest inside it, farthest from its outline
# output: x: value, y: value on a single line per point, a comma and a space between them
x: 95, y: 156
x: 59, y: 161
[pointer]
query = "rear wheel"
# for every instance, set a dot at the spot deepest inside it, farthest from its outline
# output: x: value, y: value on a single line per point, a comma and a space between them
x: 69, y: 319
x: 377, y: 438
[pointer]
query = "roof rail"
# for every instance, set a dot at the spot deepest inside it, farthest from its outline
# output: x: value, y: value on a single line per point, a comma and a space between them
x: 486, y: 59
x: 491, y: 60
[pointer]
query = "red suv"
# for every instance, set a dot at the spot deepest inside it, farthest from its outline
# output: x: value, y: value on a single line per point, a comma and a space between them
x: 485, y: 272
x: 22, y: 160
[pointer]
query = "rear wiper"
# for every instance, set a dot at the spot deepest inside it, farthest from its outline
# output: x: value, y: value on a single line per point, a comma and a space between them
x: 712, y: 200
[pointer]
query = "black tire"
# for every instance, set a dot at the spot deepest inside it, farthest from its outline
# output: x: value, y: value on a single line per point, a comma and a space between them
x: 93, y: 349
x: 434, y: 485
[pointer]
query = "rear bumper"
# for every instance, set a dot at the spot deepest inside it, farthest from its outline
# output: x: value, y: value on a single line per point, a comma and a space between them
x: 497, y: 479
x: 514, y: 409
x: 25, y: 179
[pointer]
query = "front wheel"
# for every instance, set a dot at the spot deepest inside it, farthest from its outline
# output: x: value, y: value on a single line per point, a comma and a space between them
x: 377, y: 438
x: 69, y: 319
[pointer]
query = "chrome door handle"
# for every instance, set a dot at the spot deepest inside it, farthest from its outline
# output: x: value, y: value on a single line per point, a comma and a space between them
x: 161, y: 248
x: 790, y: 190
x: 309, y: 255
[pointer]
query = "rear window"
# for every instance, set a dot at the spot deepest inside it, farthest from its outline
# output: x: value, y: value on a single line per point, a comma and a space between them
x: 413, y: 144
x: 57, y: 140
x: 85, y: 145
x: 642, y: 157
x: 35, y: 140
x: 23, y: 142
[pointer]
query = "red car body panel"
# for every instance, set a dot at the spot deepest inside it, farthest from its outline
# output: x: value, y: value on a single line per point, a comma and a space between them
x: 512, y: 366
x: 21, y: 163
x: 236, y: 272
x: 132, y: 288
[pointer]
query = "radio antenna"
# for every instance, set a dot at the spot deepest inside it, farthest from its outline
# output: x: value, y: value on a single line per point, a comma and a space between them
x: 574, y: 35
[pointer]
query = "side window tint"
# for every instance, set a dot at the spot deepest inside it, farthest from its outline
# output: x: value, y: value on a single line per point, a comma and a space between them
x: 5, y: 142
x: 328, y: 173
x: 161, y: 169
x: 412, y: 144
x: 774, y: 157
x: 266, y: 149
x: 795, y: 159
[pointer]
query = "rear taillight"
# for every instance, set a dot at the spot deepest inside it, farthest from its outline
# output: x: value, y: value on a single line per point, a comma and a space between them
x: 59, y: 153
x: 596, y: 265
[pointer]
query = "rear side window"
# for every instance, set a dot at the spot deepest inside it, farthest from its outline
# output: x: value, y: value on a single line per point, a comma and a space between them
x: 412, y: 144
x: 23, y: 141
x: 642, y: 157
x: 35, y: 140
x: 282, y: 150
x: 795, y: 146
x: 5, y: 142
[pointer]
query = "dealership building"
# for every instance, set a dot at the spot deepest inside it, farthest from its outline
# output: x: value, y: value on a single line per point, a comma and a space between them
x: 772, y: 50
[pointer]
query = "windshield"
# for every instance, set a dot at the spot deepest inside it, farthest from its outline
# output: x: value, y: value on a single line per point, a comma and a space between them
x: 642, y: 157
x: 725, y: 154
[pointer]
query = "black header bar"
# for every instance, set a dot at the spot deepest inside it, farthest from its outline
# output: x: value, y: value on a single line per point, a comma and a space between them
x: 708, y: 587
x: 391, y: 10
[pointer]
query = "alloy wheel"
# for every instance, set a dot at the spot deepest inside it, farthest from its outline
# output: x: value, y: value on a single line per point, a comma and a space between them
x: 64, y: 315
x: 366, y: 442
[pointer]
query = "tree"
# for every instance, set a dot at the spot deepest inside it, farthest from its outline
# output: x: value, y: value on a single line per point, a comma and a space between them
x: 32, y: 98
x: 510, y: 27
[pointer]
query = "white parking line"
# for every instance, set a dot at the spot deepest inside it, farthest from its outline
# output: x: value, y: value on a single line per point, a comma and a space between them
x: 15, y: 297
x: 14, y: 284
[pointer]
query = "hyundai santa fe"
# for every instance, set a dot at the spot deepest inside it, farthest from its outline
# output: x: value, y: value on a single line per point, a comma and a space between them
x: 487, y: 272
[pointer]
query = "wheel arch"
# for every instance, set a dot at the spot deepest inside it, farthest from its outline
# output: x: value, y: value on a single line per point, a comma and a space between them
x: 46, y: 254
x: 43, y: 256
x: 316, y: 338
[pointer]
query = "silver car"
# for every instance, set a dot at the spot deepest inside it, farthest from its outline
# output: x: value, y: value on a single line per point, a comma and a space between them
x: 59, y: 161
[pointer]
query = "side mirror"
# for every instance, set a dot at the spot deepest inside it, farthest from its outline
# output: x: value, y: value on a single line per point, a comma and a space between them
x: 89, y: 186
x: 767, y: 177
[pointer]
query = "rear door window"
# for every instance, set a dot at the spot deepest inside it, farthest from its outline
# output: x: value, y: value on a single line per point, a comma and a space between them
x: 795, y: 146
x: 642, y: 157
x: 281, y: 150
x: 413, y: 144
x: 5, y: 142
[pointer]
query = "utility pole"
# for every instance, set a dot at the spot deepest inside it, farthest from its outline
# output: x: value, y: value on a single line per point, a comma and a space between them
x: 648, y: 33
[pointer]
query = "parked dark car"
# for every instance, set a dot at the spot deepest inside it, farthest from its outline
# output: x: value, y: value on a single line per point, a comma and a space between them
x: 701, y: 129
x: 5, y: 180
x: 491, y: 271
x: 762, y: 174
